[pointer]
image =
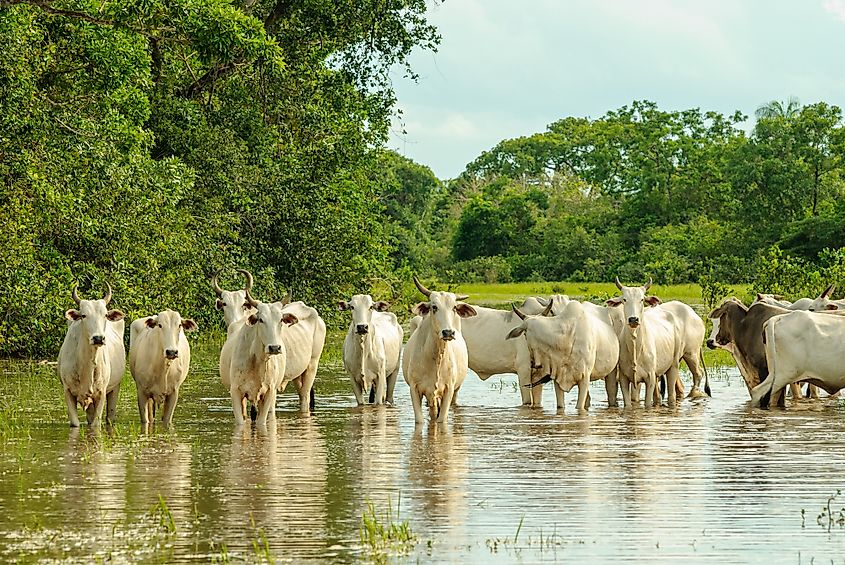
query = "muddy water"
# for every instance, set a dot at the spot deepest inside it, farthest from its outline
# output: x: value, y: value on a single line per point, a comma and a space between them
x: 710, y: 481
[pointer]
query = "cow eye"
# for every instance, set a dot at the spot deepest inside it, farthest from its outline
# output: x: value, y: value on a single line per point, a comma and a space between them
x: 260, y: 320
x: 246, y: 306
x: 434, y: 308
x: 82, y: 316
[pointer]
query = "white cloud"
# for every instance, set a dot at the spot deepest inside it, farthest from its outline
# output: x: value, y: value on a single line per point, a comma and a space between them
x: 835, y: 7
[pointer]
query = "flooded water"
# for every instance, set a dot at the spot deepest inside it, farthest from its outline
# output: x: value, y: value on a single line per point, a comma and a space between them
x: 711, y: 481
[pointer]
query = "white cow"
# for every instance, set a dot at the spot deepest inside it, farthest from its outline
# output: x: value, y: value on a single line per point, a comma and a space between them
x: 823, y: 302
x: 435, y: 362
x: 653, y: 341
x: 304, y: 343
x: 92, y: 359
x: 159, y: 357
x: 801, y: 346
x: 233, y: 302
x: 491, y: 354
x: 253, y: 359
x: 772, y: 300
x: 575, y: 347
x: 371, y: 348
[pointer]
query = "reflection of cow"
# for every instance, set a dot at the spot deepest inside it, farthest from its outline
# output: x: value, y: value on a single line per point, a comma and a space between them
x: 159, y: 357
x: 371, y: 348
x: 653, y: 341
x: 435, y: 359
x: 92, y: 358
x: 572, y: 348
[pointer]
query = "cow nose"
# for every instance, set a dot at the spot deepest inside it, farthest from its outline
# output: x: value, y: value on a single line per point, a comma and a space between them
x: 633, y: 320
x: 171, y: 353
x: 711, y: 344
x: 361, y: 328
x: 447, y: 335
x: 274, y: 349
x: 98, y: 340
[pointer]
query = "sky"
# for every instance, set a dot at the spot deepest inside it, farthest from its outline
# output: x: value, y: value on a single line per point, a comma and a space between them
x: 507, y: 69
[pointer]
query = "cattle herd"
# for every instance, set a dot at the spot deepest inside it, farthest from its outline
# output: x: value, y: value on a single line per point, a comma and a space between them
x: 633, y: 340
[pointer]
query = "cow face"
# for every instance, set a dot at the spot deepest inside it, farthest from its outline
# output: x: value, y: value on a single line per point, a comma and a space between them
x: 723, y: 319
x: 171, y: 325
x: 362, y: 307
x: 234, y: 305
x: 93, y: 315
x: 267, y: 320
x: 633, y: 301
x: 446, y: 313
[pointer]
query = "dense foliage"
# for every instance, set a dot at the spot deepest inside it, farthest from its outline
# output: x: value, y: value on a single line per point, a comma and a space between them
x: 149, y: 144
x: 683, y: 196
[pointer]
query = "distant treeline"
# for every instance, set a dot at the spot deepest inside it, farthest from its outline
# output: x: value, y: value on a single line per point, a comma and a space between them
x: 682, y: 196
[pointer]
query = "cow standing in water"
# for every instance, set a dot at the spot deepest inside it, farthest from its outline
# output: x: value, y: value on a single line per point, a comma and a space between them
x: 92, y: 359
x: 233, y: 303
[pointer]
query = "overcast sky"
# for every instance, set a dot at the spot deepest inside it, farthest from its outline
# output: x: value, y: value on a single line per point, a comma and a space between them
x: 508, y: 68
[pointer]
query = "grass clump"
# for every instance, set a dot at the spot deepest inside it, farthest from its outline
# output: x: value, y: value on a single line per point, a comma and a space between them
x: 383, y: 534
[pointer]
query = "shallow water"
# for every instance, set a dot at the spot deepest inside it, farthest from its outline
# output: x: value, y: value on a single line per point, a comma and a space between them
x: 709, y: 481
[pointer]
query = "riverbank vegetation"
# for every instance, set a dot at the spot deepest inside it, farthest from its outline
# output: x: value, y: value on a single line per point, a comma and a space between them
x: 149, y: 145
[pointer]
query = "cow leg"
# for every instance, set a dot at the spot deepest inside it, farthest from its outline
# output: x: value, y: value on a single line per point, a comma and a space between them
x: 635, y: 392
x: 626, y: 389
x: 391, y: 384
x: 795, y: 390
x: 72, y: 415
x: 589, y: 397
x: 650, y: 386
x: 416, y: 401
x: 445, y: 404
x: 381, y: 386
x: 672, y: 378
x: 560, y: 396
x: 142, y: 408
x: 169, y: 407
x: 812, y: 391
x: 305, y: 393
x: 358, y: 389
x: 583, y: 391
x: 97, y: 411
x: 693, y: 362
x: 238, y: 407
x: 455, y: 397
x: 268, y: 404
x: 611, y: 385
x: 111, y: 404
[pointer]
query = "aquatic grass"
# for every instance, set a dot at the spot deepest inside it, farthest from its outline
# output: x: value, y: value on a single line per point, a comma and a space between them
x: 383, y: 534
x: 260, y: 543
x: 162, y: 513
x: 829, y: 517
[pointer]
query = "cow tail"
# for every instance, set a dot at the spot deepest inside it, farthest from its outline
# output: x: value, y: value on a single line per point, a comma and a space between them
x: 706, y: 374
x: 662, y: 386
x: 253, y: 412
x: 312, y: 402
x: 372, y: 393
x: 542, y: 381
x: 761, y: 394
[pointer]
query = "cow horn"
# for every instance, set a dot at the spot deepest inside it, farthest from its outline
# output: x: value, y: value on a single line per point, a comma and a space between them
x: 828, y: 291
x: 543, y: 301
x: 461, y: 296
x: 548, y: 309
x: 215, y: 285
x: 75, y: 295
x: 248, y: 276
x: 250, y: 300
x: 618, y: 284
x: 518, y: 313
x: 107, y: 297
x: 648, y: 284
x: 421, y: 288
x: 286, y: 299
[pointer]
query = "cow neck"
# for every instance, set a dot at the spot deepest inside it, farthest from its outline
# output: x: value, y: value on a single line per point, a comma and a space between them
x: 634, y: 342
x: 366, y: 342
x: 255, y: 347
x: 440, y: 349
x: 91, y: 368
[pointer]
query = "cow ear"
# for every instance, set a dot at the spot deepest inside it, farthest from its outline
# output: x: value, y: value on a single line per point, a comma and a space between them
x: 613, y: 301
x: 151, y: 322
x: 219, y: 304
x: 652, y: 300
x: 252, y: 320
x: 381, y: 306
x: 465, y: 310
x: 189, y: 325
x: 343, y: 306
x: 289, y: 318
x: 421, y: 309
x: 73, y: 315
x: 760, y: 297
x: 515, y: 333
x: 831, y: 307
x: 114, y: 315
